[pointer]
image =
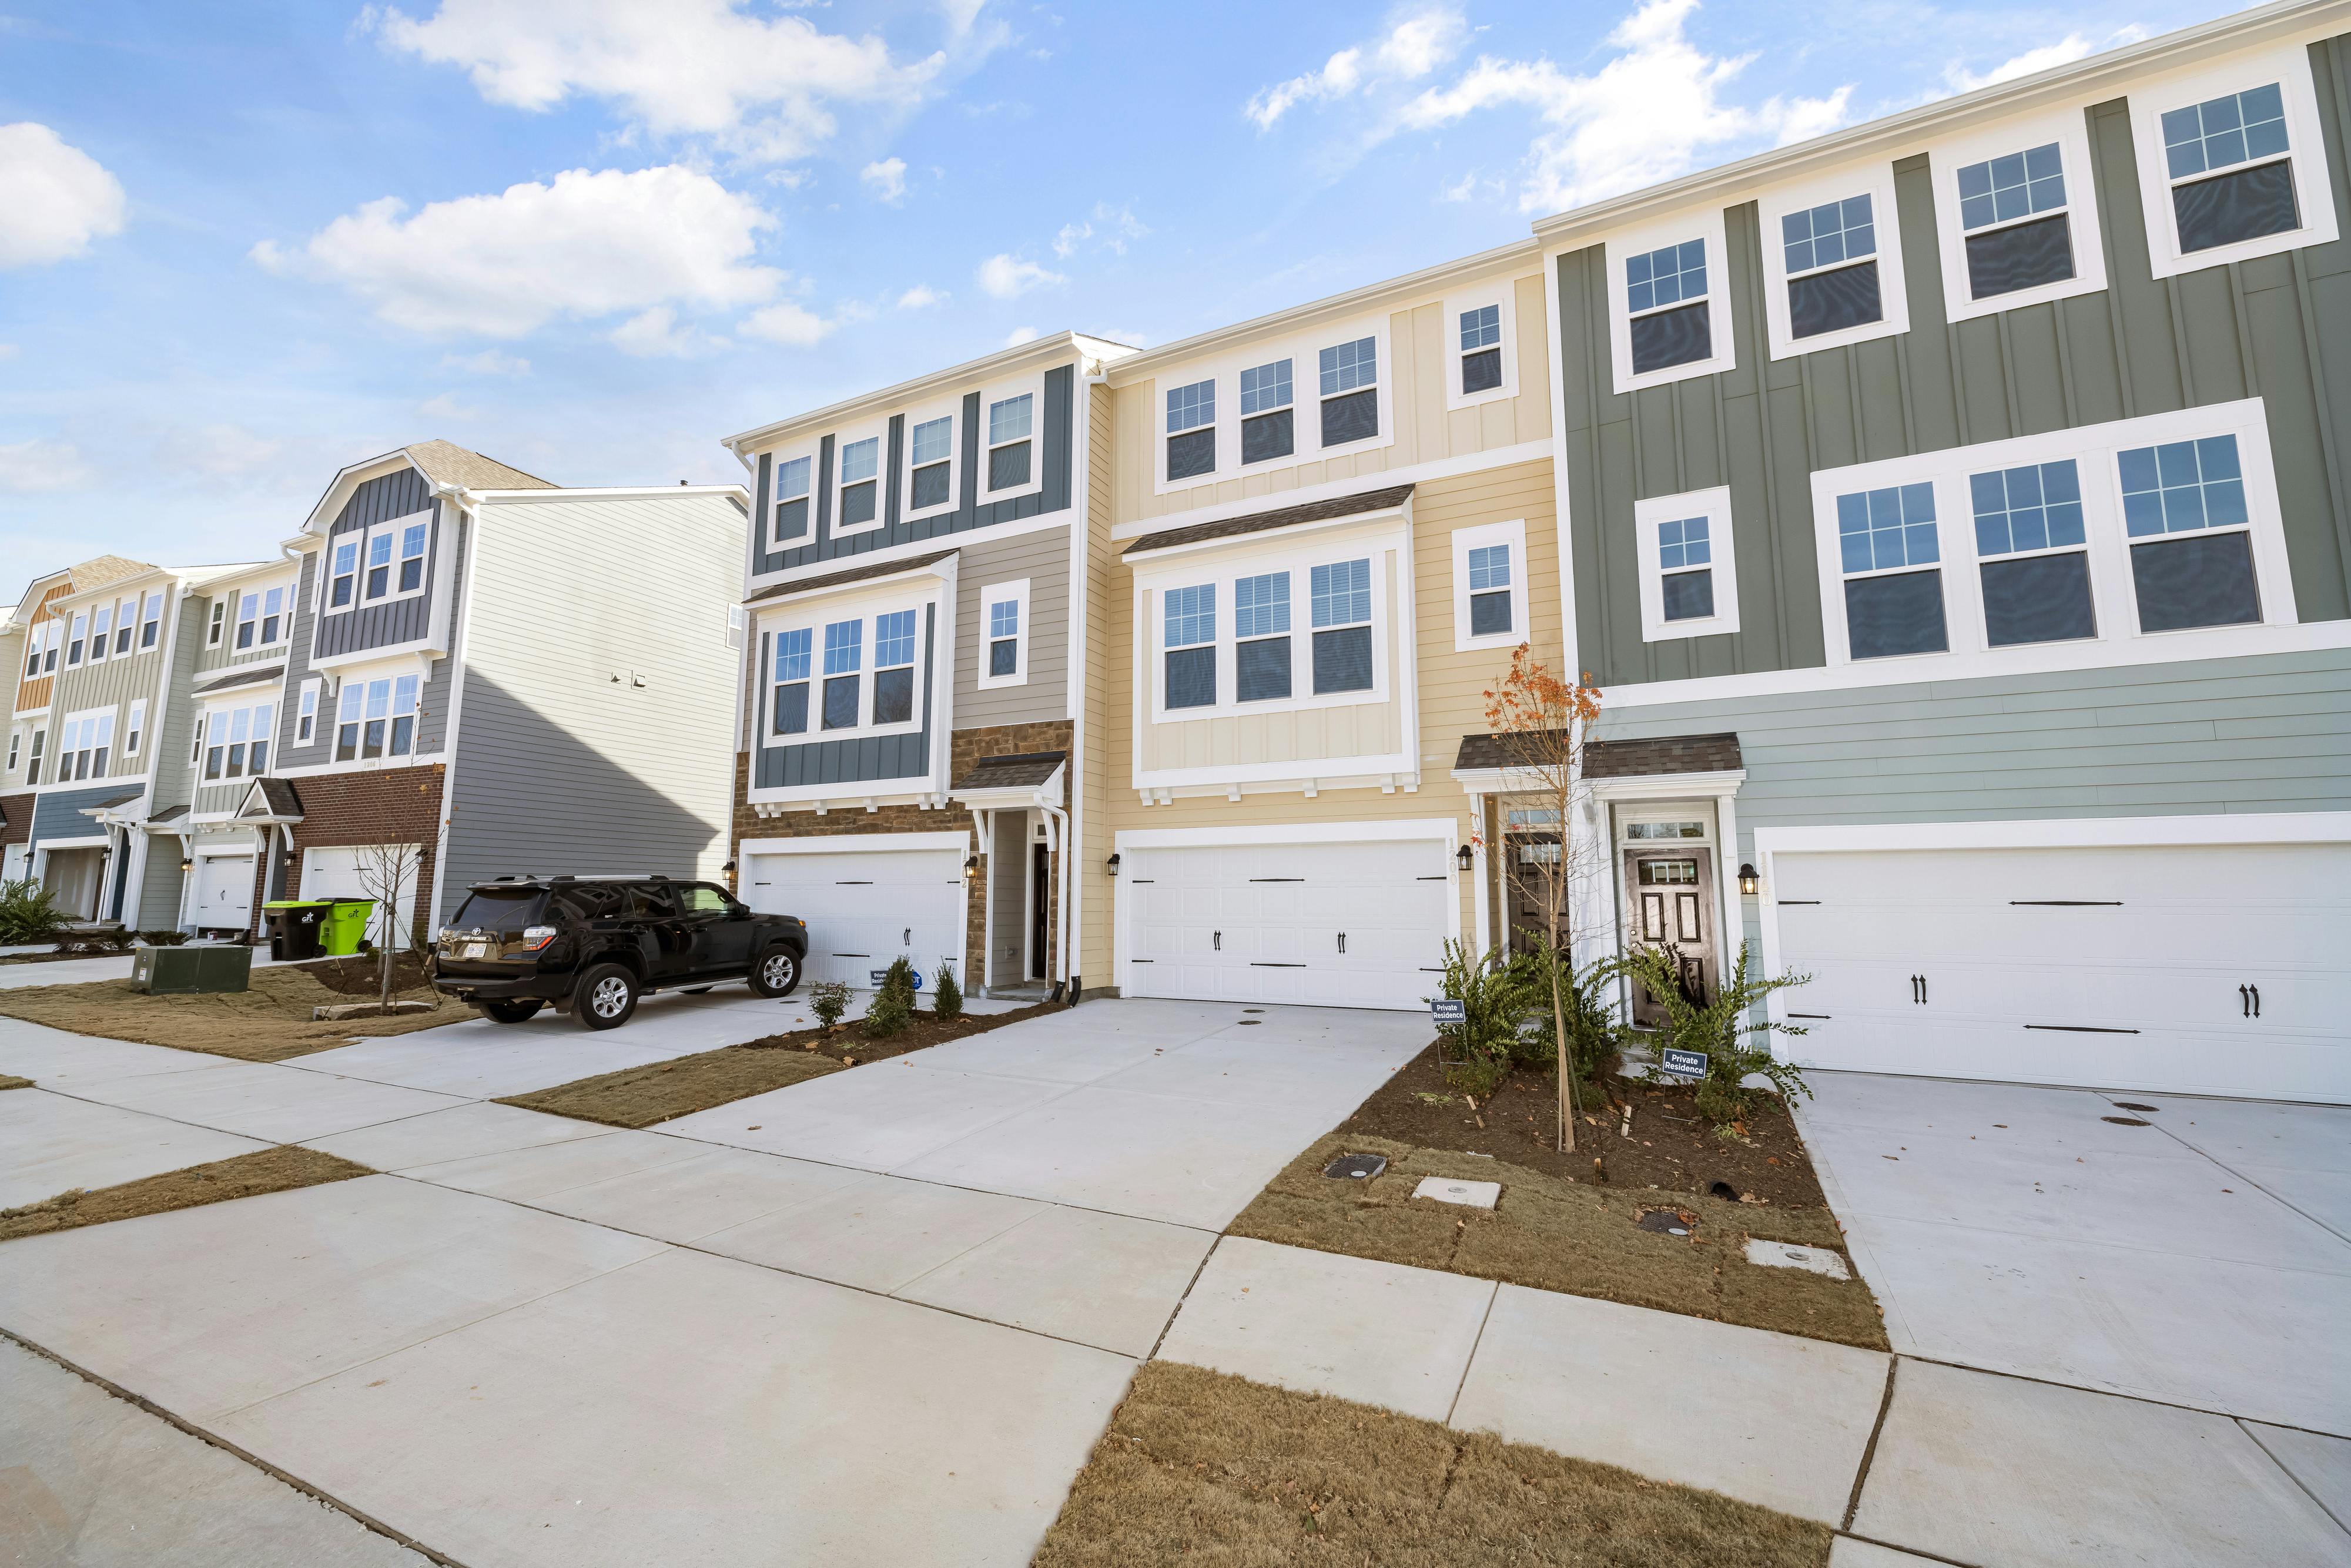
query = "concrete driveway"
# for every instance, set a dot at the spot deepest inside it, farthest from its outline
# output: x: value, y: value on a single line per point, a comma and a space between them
x: 2202, y: 1258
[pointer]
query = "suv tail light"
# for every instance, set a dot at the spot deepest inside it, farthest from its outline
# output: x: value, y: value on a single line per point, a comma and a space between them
x: 537, y: 937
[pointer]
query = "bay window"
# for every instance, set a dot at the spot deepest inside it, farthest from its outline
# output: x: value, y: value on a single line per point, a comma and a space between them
x: 823, y: 676
x: 376, y: 718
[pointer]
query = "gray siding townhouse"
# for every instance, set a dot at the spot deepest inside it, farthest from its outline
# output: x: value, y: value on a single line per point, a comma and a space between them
x: 907, y: 741
x: 503, y: 675
x: 1960, y: 519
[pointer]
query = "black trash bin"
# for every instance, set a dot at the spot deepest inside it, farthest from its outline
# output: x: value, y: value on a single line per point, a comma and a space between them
x: 296, y: 927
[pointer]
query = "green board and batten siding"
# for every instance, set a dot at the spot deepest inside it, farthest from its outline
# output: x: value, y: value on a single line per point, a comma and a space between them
x: 2278, y: 328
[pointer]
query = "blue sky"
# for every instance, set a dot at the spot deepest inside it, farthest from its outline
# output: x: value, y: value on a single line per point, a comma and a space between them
x: 243, y: 244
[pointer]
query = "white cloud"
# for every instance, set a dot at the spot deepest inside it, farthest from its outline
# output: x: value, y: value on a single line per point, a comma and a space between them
x: 1014, y: 338
x: 1115, y: 226
x: 54, y: 199
x: 585, y: 244
x: 886, y: 180
x: 220, y: 453
x: 789, y: 324
x: 2064, y: 51
x: 489, y: 362
x: 1006, y: 278
x: 1411, y: 48
x: 1645, y: 116
x: 656, y: 334
x: 758, y: 87
x: 30, y: 466
x: 446, y: 406
x: 920, y: 297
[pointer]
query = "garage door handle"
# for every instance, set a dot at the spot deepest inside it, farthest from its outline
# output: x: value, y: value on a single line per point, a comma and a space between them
x: 2244, y: 1002
x: 1342, y: 941
x: 907, y: 940
x: 2257, y: 1002
x: 1217, y: 940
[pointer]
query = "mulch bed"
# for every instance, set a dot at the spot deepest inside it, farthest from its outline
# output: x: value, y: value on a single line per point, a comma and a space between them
x: 362, y: 974
x: 1672, y: 1146
x: 1199, y: 1467
x: 280, y: 1169
x: 642, y: 1096
x: 268, y: 1021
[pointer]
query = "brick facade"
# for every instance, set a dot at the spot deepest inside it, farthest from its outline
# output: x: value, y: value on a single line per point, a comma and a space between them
x: 966, y: 748
x: 391, y: 805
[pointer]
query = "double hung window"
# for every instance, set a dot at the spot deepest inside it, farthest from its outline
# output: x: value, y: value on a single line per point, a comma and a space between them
x: 379, y: 566
x: 1012, y: 442
x: 33, y: 763
x: 1489, y: 591
x: 1004, y: 638
x: 1490, y: 585
x: 150, y: 621
x: 342, y: 583
x: 1192, y: 430
x: 1666, y: 307
x: 1351, y: 399
x: 237, y: 741
x: 789, y: 702
x: 860, y: 483
x: 844, y: 656
x: 1190, y: 646
x: 2232, y: 162
x: 77, y: 638
x: 931, y: 453
x: 1343, y: 627
x: 2191, y: 549
x: 412, y: 572
x: 126, y: 617
x: 1684, y: 569
x: 1481, y: 349
x: 83, y: 744
x: 1261, y: 637
x: 1830, y: 252
x: 893, y: 667
x: 1004, y: 627
x: 2032, y: 541
x: 792, y: 476
x: 1269, y: 419
x: 376, y: 718
x: 1689, y: 573
x: 248, y: 617
x: 2012, y: 211
x: 1890, y: 553
x: 33, y: 643
x: 16, y: 746
x: 306, y: 723
x: 101, y: 631
x: 2230, y: 172
x: 2016, y: 216
x: 136, y: 731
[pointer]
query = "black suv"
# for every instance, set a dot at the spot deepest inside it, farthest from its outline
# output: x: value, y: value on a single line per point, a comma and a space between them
x: 593, y: 944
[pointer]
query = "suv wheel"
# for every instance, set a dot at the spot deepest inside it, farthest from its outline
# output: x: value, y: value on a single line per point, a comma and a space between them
x: 777, y: 972
x: 606, y: 995
x: 521, y: 1009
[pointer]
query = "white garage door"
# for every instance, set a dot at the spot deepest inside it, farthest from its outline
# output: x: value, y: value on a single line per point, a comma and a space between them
x: 224, y: 893
x: 1347, y: 925
x: 336, y: 873
x: 865, y: 907
x: 2210, y: 970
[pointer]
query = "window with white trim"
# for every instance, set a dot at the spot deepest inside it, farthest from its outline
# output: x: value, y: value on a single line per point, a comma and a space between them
x: 1269, y: 414
x: 788, y: 698
x: 1480, y: 348
x: 1832, y: 265
x: 893, y: 667
x: 248, y: 619
x: 375, y: 718
x: 1351, y: 392
x: 793, y: 476
x: 827, y: 682
x: 1261, y: 656
x: 102, y: 632
x: 861, y: 485
x: 1189, y: 657
x: 1669, y: 314
x: 1192, y: 430
x: 378, y: 564
x: 306, y: 718
x: 844, y: 657
x: 412, y: 567
x: 1490, y: 585
x: 1011, y: 444
x: 1343, y: 627
x: 33, y: 762
x: 1004, y: 645
x: 126, y: 627
x: 930, y: 466
x: 16, y: 747
x: 150, y: 621
x: 136, y: 731
x: 238, y: 746
x: 34, y: 643
x: 196, y: 741
x: 77, y: 637
x: 83, y: 743
x: 343, y: 582
x: 1689, y: 570
x: 1269, y: 630
x: 2016, y: 216
x: 2233, y: 163
x: 2164, y: 525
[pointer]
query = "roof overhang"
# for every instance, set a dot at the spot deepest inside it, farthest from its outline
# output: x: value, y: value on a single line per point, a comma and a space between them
x: 347, y: 479
x: 940, y: 564
x: 1018, y: 790
x: 1364, y: 506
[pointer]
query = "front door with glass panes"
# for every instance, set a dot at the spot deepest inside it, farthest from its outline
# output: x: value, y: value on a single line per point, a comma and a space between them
x: 1669, y: 901
x: 1531, y: 867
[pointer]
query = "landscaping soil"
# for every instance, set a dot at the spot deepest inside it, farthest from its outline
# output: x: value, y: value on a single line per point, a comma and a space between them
x: 362, y: 976
x: 1672, y: 1147
x: 1200, y: 1466
x: 268, y: 1021
x: 644, y: 1096
x: 279, y: 1169
x: 10, y: 1081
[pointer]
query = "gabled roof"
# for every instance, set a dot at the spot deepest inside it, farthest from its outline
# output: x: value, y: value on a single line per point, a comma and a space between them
x: 1023, y: 770
x: 443, y: 461
x: 835, y: 579
x: 1362, y: 504
x: 271, y: 799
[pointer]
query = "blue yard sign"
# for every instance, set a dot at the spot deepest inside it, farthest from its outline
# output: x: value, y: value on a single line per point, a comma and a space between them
x: 1677, y: 1063
x: 1448, y: 1010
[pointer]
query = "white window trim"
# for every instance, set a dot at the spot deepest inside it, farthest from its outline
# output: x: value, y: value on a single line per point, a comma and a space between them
x: 1721, y: 324
x: 102, y: 643
x: 1300, y: 559
x: 1033, y: 385
x: 998, y: 593
x: 222, y: 712
x: 814, y: 619
x: 1714, y: 506
x: 776, y: 460
x: 69, y: 745
x: 393, y: 593
x: 841, y: 442
x: 15, y: 748
x: 1305, y: 356
x: 134, y: 734
x: 2069, y: 128
x: 1503, y: 292
x: 77, y: 639
x: 950, y: 410
x: 327, y: 573
x: 160, y: 600
x: 358, y: 677
x: 2113, y: 596
x: 313, y: 696
x: 1873, y: 180
x: 2289, y: 66
x: 1512, y: 533
x: 121, y: 623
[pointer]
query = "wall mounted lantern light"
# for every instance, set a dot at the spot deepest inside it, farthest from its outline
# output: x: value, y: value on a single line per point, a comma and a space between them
x: 1749, y: 884
x: 1111, y: 864
x: 1465, y: 857
x: 970, y: 868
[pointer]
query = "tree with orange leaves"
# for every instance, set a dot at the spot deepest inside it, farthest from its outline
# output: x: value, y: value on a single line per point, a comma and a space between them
x: 1538, y: 722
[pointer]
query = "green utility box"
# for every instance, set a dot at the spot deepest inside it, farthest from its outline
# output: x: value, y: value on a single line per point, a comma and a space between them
x: 183, y: 971
x: 344, y: 930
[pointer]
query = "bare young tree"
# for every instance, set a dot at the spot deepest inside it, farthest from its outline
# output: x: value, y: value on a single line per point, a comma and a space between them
x: 1540, y: 721
x: 386, y: 870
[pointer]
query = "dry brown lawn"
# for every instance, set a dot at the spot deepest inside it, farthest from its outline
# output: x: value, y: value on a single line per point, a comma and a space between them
x: 1201, y: 1467
x: 279, y: 1169
x: 1555, y: 1234
x: 10, y: 1081
x: 269, y: 1022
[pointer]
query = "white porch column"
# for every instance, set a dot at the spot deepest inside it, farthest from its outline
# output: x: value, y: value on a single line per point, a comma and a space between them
x: 1480, y: 874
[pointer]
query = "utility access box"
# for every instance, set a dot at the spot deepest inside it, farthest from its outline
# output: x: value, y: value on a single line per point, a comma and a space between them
x: 186, y: 970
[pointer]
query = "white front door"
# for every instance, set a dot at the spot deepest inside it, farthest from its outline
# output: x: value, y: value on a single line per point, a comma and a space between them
x: 346, y: 870
x: 864, y: 908
x: 2192, y: 969
x: 223, y: 892
x: 15, y: 861
x: 1328, y: 924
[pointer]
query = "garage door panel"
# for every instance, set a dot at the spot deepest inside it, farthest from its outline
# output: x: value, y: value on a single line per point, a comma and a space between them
x: 2138, y: 968
x: 864, y: 908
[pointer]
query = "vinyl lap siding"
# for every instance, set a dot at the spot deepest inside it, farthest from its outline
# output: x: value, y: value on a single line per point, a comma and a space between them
x: 1044, y: 559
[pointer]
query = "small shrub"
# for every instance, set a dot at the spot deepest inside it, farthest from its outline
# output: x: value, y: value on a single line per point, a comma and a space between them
x: 1496, y: 999
x: 1593, y: 1036
x: 946, y: 997
x: 894, y: 1005
x: 29, y: 915
x: 166, y: 938
x: 1736, y: 1042
x: 828, y: 999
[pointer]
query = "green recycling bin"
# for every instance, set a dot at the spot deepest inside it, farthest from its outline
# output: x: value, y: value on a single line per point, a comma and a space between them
x: 295, y: 926
x: 344, y: 930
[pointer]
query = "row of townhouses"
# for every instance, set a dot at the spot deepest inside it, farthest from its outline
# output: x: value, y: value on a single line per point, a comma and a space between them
x: 1954, y: 511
